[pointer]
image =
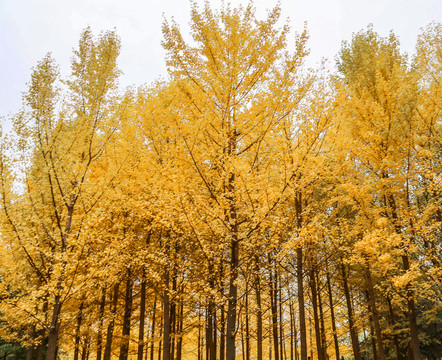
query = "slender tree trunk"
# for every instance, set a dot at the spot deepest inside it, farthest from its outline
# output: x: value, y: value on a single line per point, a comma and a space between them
x: 353, y: 329
x: 373, y: 339
x: 332, y: 313
x: 31, y: 347
x: 299, y: 276
x: 152, y: 345
x: 313, y: 290
x: 222, y: 344
x: 374, y: 312
x: 233, y: 298
x: 100, y: 325
x: 77, y: 332
x: 302, y: 324
x: 161, y: 333
x: 247, y: 323
x: 292, y: 328
x: 295, y: 334
x: 208, y: 333
x: 411, y: 314
x: 173, y: 315
x: 51, y: 351
x: 179, y: 347
x: 142, y: 316
x: 274, y: 310
x: 281, y: 317
x: 110, y: 327
x: 392, y: 321
x: 321, y: 319
x: 259, y: 312
x: 166, y: 317
x: 85, y: 349
x: 243, y: 347
x: 40, y: 350
x: 311, y: 335
x: 124, y: 348
x: 210, y: 330
x: 200, y: 355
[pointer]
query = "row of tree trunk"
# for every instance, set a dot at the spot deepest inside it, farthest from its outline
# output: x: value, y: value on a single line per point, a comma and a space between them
x: 287, y: 334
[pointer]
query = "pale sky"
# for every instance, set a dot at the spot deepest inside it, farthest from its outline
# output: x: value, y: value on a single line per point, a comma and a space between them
x: 31, y: 28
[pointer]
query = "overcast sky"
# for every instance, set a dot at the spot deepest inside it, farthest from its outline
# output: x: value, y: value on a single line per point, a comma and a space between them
x: 31, y: 28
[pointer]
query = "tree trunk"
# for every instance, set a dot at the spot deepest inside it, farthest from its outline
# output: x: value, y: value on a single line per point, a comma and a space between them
x: 110, y: 327
x: 299, y: 276
x: 302, y: 324
x: 100, y: 325
x: 200, y: 355
x: 233, y: 298
x: 373, y: 339
x: 173, y: 315
x: 281, y: 317
x: 247, y: 323
x: 40, y: 350
x: 259, y: 312
x: 152, y: 345
x: 292, y: 328
x: 374, y: 312
x: 142, y: 316
x: 321, y: 319
x: 210, y: 317
x: 411, y: 314
x: 313, y: 290
x: 332, y: 313
x: 51, y: 351
x: 274, y: 310
x: 392, y: 321
x: 353, y: 329
x: 179, y: 346
x: 161, y: 333
x: 85, y: 349
x: 77, y: 332
x: 295, y: 336
x: 222, y: 343
x: 124, y: 348
x: 166, y: 318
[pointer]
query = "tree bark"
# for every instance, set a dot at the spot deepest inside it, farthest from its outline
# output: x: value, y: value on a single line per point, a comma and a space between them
x: 110, y: 327
x: 259, y: 312
x: 299, y: 277
x: 152, y: 345
x: 392, y: 321
x: 30, y: 352
x: 124, y: 348
x: 233, y: 298
x: 374, y: 312
x: 313, y: 290
x: 321, y: 319
x: 51, y: 351
x: 142, y: 316
x: 247, y: 324
x: 332, y: 313
x: 100, y: 325
x: 77, y: 332
x: 353, y: 329
x: 179, y: 346
x: 166, y: 317
x: 274, y: 310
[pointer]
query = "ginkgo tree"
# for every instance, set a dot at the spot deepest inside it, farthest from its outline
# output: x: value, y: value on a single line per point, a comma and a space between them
x: 59, y: 138
x: 236, y: 85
